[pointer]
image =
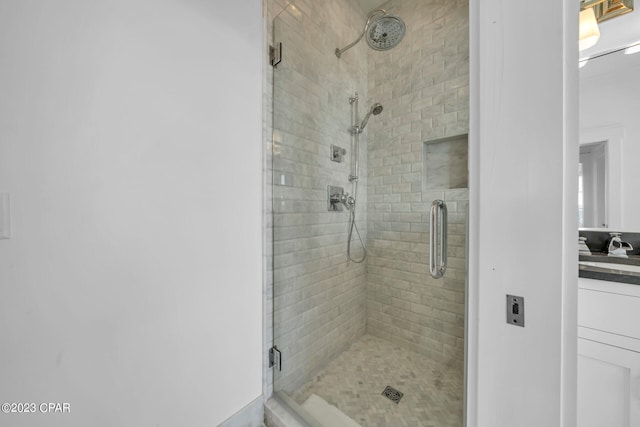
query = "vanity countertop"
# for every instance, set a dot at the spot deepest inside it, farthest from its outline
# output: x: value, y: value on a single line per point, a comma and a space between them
x: 609, y: 272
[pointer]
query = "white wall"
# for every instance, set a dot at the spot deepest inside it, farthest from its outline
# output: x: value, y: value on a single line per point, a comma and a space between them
x: 607, y: 101
x: 130, y: 143
x: 523, y: 165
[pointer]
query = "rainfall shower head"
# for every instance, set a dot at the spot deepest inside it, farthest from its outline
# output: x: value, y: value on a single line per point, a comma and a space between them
x: 375, y: 110
x: 383, y: 32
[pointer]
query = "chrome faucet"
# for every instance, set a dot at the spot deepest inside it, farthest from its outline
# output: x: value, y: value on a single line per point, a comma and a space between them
x: 617, y: 247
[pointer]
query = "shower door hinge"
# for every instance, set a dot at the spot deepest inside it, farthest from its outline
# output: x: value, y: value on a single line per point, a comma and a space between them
x: 275, y: 358
x: 275, y: 54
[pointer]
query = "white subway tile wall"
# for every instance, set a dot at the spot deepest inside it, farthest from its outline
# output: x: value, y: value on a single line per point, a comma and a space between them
x: 424, y: 85
x: 321, y: 302
x: 319, y: 297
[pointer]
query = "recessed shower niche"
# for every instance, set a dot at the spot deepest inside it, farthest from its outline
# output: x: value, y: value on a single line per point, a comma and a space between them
x: 445, y: 163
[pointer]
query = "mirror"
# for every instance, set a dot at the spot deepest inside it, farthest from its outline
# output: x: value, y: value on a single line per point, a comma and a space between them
x: 610, y: 128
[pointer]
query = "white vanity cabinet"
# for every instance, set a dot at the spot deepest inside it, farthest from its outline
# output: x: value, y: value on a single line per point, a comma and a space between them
x: 608, y: 354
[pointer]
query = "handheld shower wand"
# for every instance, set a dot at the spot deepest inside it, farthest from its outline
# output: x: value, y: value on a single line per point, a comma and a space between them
x: 375, y: 110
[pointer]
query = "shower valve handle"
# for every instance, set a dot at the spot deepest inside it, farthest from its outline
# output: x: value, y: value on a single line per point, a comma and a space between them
x: 344, y: 198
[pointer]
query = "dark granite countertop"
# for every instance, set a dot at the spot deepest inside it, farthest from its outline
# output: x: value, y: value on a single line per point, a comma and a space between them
x: 606, y: 273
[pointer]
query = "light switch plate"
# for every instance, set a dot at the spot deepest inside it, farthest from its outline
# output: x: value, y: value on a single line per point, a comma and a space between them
x: 515, y: 310
x: 5, y: 223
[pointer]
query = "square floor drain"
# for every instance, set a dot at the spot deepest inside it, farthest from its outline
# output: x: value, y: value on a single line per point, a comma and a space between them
x: 392, y: 394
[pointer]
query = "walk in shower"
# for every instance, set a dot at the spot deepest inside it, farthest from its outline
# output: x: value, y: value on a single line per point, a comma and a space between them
x: 361, y: 324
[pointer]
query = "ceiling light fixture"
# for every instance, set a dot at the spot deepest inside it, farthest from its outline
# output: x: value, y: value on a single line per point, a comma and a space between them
x: 589, y: 31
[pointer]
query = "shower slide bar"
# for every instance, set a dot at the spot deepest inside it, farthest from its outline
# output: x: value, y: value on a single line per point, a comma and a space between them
x: 438, y: 231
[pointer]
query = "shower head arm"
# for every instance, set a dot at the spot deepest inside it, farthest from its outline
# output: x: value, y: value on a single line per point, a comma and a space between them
x: 364, y: 30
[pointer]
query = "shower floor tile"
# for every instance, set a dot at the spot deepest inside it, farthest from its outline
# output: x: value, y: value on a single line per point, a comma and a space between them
x: 355, y: 380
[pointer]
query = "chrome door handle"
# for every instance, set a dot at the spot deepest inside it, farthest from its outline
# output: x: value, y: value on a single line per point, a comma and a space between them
x: 438, y: 227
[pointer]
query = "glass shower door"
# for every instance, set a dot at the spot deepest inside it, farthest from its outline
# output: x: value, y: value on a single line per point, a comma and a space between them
x: 381, y: 341
x: 319, y: 296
